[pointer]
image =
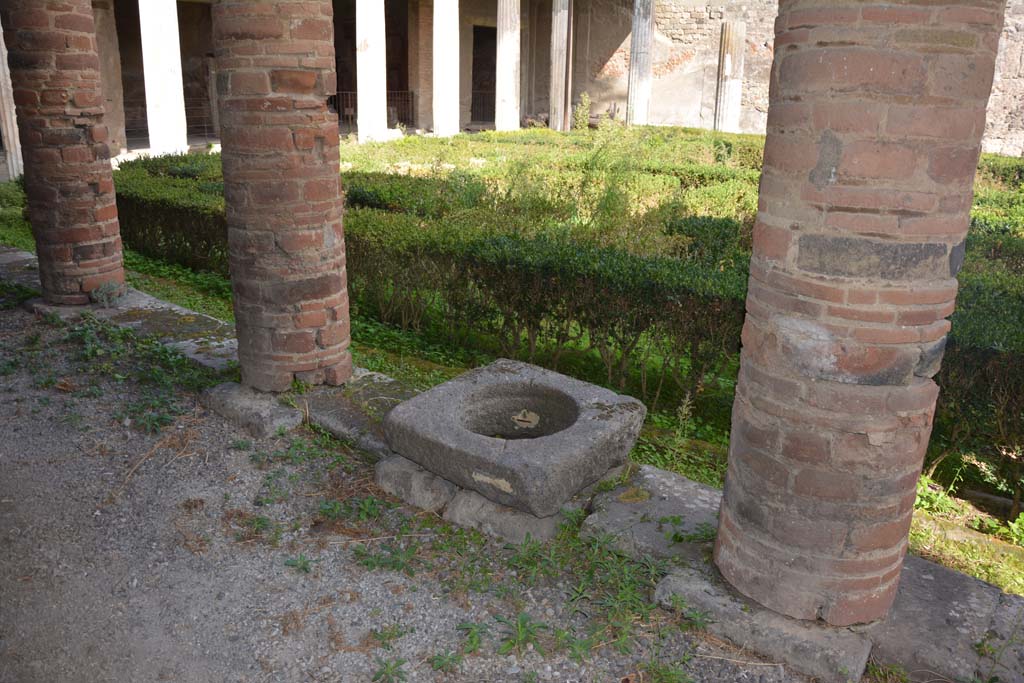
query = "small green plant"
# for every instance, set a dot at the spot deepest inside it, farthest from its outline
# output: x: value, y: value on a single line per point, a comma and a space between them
x: 107, y: 294
x: 300, y: 564
x: 393, y: 557
x: 1016, y: 528
x: 531, y: 560
x: 703, y: 533
x: 366, y: 509
x: 664, y: 672
x: 387, y: 635
x: 581, y: 113
x: 690, y: 619
x: 389, y: 671
x: 520, y: 633
x: 883, y: 673
x: 475, y: 634
x: 936, y: 499
x: 448, y: 662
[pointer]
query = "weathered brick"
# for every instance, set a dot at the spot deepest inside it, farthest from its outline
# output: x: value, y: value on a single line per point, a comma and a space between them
x: 874, y: 124
x: 282, y: 191
x: 68, y: 182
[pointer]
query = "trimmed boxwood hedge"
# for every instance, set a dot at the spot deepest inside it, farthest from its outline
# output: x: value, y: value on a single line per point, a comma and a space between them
x: 463, y: 251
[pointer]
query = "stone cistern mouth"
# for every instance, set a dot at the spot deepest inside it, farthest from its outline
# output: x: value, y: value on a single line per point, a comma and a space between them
x: 518, y: 411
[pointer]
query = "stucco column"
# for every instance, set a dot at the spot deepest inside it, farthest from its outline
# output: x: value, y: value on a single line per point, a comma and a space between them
x: 641, y: 63
x: 161, y: 64
x: 506, y: 110
x: 559, y: 64
x: 874, y: 128
x: 8, y: 119
x: 729, y: 94
x: 281, y: 189
x: 446, y: 67
x: 371, y: 70
x: 55, y: 73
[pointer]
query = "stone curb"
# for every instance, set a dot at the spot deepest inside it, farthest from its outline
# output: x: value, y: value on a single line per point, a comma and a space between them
x: 259, y: 414
x: 831, y: 655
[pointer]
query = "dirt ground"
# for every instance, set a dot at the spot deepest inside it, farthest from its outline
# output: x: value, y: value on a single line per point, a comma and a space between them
x: 142, y: 539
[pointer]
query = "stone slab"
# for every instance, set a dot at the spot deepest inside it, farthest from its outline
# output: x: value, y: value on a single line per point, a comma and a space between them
x: 653, y: 512
x: 413, y: 484
x: 353, y: 413
x: 1004, y: 651
x: 20, y: 267
x: 202, y: 338
x: 259, y: 414
x: 830, y: 655
x: 470, y: 509
x: 520, y: 435
x: 940, y: 618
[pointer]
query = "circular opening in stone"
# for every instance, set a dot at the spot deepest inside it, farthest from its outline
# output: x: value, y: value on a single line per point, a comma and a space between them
x: 519, y: 411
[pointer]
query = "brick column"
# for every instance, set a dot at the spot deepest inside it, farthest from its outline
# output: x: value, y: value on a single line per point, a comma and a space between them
x: 874, y: 126
x: 281, y: 186
x: 55, y: 73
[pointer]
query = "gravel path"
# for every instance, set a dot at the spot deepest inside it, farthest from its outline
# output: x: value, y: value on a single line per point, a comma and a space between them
x: 194, y: 554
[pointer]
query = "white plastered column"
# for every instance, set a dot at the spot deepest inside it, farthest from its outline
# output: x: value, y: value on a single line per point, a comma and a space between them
x: 8, y: 119
x: 446, y: 67
x: 161, y: 63
x: 371, y: 71
x: 507, y: 114
x: 729, y: 96
x: 559, y: 62
x: 641, y: 61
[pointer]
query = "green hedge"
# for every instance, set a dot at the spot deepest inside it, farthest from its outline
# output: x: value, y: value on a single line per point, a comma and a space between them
x: 651, y: 266
x: 173, y: 208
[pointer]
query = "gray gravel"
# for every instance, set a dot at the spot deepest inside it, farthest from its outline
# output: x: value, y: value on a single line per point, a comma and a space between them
x: 125, y: 557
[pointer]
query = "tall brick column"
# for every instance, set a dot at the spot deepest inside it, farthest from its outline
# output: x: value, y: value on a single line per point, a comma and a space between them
x: 874, y: 127
x: 55, y: 74
x: 281, y: 186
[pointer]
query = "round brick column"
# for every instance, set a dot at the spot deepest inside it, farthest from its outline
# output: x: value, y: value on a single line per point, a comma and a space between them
x: 281, y: 186
x: 55, y: 73
x: 874, y: 127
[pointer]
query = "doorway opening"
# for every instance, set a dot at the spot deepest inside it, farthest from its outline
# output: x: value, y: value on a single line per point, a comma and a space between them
x: 485, y: 71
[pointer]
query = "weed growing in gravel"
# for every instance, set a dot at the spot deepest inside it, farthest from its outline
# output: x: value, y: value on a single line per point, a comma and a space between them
x: 389, y: 671
x: 520, y: 633
x: 13, y: 295
x: 394, y: 557
x: 300, y: 564
x: 447, y: 662
x: 880, y: 673
x: 387, y: 635
x: 531, y: 560
x: 660, y: 672
x: 475, y: 634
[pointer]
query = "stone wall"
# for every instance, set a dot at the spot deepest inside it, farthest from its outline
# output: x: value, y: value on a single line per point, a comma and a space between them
x: 685, y: 58
x: 686, y: 64
x: 1005, y: 131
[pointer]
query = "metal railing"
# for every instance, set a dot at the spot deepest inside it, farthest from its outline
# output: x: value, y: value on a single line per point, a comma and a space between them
x: 199, y: 120
x: 401, y: 108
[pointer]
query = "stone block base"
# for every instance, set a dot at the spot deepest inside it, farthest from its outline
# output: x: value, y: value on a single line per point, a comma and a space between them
x: 259, y: 414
